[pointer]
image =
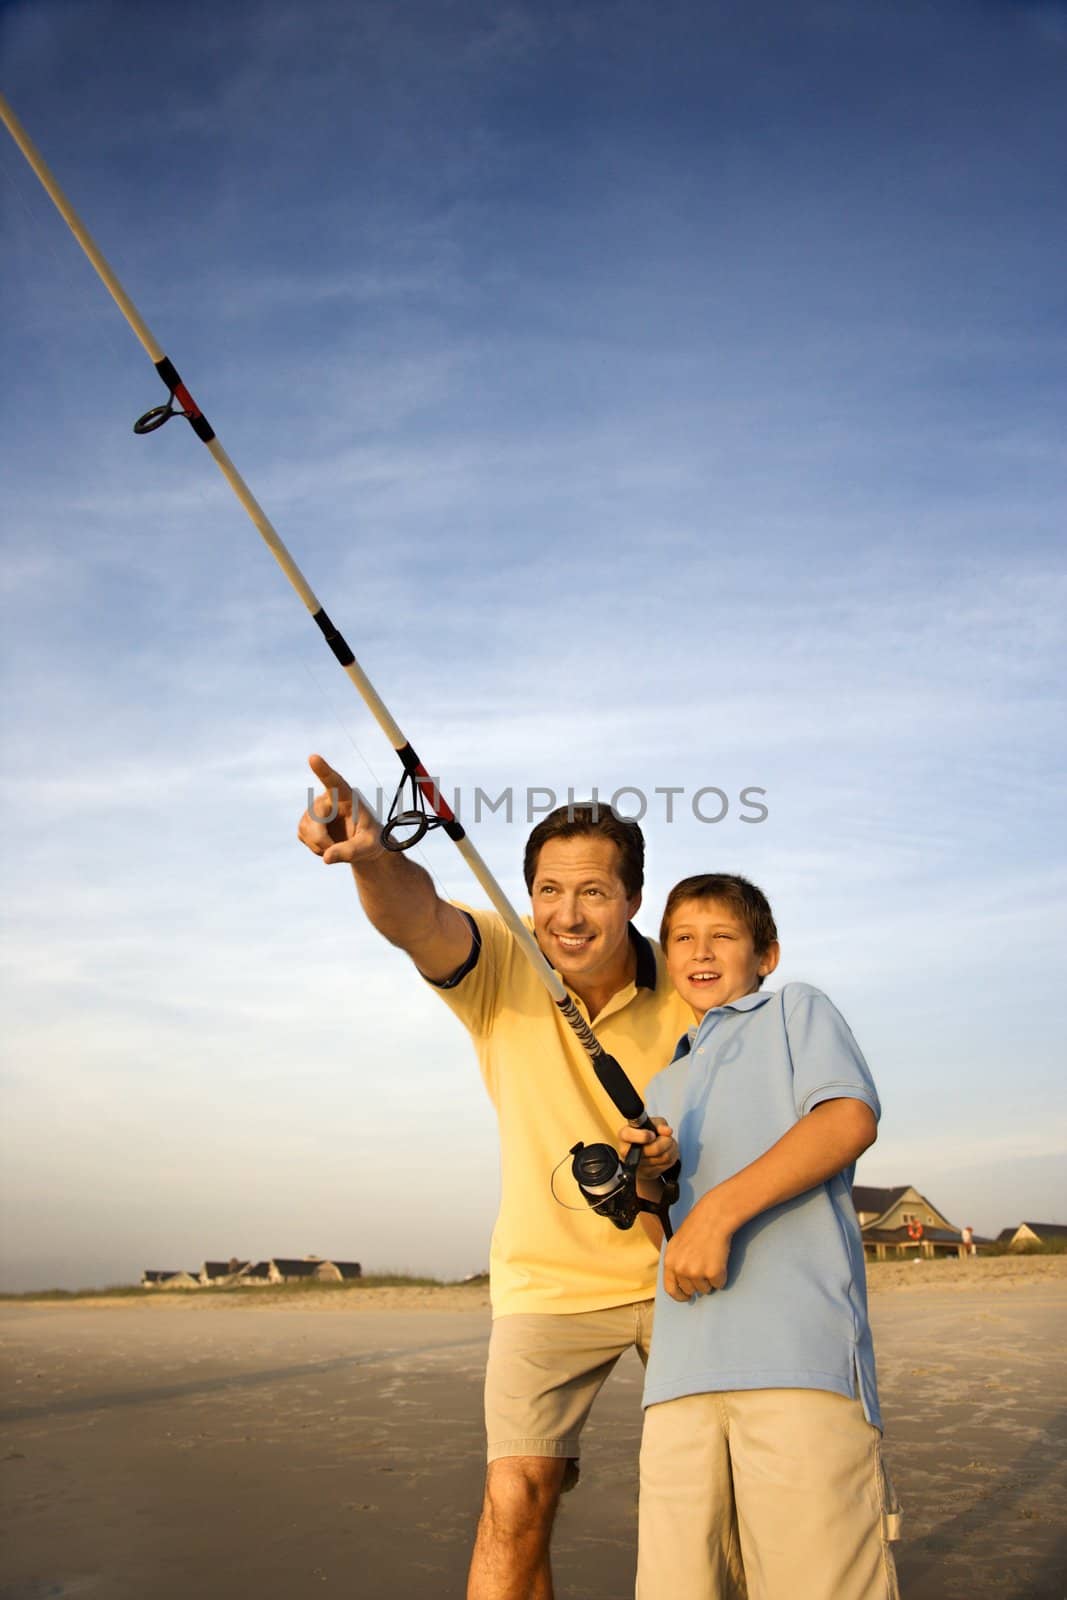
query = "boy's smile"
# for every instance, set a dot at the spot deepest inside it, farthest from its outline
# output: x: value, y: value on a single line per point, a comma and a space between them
x: 711, y: 957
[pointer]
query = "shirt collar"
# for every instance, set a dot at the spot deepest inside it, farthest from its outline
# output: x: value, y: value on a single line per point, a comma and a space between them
x: 745, y: 1002
x: 645, y: 975
x: 644, y: 956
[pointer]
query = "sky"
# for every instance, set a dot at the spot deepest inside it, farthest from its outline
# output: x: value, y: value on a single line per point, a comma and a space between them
x: 656, y: 398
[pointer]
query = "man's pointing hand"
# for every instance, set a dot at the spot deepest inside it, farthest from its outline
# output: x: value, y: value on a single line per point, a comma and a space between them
x: 352, y: 834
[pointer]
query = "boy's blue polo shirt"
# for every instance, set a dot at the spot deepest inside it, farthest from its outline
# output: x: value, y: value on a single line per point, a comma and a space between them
x: 793, y: 1313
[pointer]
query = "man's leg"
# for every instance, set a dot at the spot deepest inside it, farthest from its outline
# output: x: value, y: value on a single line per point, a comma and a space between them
x: 543, y: 1374
x: 510, y: 1560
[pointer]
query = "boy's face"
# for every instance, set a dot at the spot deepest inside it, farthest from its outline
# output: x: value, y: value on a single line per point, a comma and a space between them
x: 710, y: 955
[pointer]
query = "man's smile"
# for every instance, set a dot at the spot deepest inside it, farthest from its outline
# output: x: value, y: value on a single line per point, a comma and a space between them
x: 581, y: 915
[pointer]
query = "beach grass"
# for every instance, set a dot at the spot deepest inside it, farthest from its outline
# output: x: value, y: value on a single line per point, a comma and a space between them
x: 259, y: 1292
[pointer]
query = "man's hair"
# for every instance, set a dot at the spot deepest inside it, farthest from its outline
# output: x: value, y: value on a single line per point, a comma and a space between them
x: 591, y: 817
x: 749, y: 903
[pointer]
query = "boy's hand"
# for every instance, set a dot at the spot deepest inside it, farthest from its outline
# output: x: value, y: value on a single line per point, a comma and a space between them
x: 660, y: 1149
x: 696, y: 1258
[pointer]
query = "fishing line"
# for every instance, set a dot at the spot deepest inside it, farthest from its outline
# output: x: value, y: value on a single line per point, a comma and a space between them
x: 418, y: 805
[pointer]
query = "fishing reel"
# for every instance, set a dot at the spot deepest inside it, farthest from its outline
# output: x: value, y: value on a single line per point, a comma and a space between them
x: 608, y: 1184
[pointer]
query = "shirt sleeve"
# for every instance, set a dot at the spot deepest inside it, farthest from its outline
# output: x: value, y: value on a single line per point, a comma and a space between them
x: 473, y: 992
x: 828, y: 1064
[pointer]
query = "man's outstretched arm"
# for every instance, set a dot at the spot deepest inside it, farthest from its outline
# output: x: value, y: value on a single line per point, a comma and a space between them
x: 398, y: 897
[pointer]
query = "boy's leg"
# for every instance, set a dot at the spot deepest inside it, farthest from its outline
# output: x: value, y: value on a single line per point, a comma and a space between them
x: 543, y: 1374
x: 687, y: 1546
x: 810, y: 1494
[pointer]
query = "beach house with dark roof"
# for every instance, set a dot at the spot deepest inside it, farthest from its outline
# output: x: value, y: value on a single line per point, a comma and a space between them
x: 903, y: 1222
x: 213, y: 1274
x: 286, y: 1270
x: 339, y: 1271
x: 1031, y: 1233
x: 234, y: 1273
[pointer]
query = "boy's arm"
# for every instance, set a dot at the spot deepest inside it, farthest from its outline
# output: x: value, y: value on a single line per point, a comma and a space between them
x: 827, y: 1139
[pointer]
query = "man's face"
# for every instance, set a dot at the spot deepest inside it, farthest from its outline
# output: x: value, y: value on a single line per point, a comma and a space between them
x: 711, y: 957
x: 581, y: 908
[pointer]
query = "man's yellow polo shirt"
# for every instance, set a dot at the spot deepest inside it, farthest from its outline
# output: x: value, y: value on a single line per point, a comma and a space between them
x: 545, y: 1257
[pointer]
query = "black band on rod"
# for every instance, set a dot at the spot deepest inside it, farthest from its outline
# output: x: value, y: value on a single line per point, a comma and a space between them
x: 335, y: 640
x: 201, y: 427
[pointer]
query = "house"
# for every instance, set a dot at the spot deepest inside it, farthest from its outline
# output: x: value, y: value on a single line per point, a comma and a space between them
x: 287, y: 1270
x: 213, y: 1274
x: 1031, y: 1233
x: 255, y: 1272
x: 233, y: 1273
x: 339, y: 1271
x: 284, y: 1269
x: 902, y: 1222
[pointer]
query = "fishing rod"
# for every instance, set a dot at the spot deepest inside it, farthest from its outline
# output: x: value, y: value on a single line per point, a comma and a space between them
x: 419, y: 804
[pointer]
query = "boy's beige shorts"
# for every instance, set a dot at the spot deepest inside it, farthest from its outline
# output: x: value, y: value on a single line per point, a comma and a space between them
x: 777, y: 1494
x: 544, y: 1372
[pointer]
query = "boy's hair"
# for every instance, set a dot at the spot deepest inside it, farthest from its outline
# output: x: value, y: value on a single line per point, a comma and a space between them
x: 750, y: 904
x: 591, y: 816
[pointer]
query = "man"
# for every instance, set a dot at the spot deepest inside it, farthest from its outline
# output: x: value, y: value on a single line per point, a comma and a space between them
x: 570, y: 1292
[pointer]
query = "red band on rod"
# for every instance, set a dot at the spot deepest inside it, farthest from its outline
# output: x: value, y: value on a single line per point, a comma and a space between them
x: 429, y: 791
x: 188, y: 404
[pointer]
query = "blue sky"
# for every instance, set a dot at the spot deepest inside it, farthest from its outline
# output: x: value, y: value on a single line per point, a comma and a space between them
x: 665, y: 398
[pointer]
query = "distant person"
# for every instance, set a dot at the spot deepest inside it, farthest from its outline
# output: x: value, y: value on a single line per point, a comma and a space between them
x: 760, y: 1460
x: 570, y: 1293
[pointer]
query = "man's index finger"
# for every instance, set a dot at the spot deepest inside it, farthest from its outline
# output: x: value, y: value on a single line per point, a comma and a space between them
x: 329, y: 778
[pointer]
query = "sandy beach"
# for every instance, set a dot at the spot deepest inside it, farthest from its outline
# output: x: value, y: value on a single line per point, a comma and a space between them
x: 283, y: 1446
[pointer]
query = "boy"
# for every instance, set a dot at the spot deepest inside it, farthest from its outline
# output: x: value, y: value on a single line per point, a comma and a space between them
x: 760, y: 1462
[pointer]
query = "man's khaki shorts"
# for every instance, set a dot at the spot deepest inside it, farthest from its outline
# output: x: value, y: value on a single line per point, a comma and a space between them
x: 545, y: 1371
x: 777, y: 1493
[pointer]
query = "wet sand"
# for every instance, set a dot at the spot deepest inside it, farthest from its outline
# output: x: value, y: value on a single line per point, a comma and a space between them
x: 279, y: 1447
